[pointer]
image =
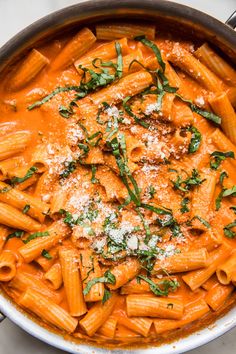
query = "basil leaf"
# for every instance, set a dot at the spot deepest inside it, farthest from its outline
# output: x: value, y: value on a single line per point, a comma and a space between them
x: 26, y: 209
x: 106, y: 296
x: 188, y: 183
x: 36, y: 235
x: 128, y: 110
x: 195, y: 140
x: 17, y: 234
x: 167, y: 285
x: 5, y: 189
x: 29, y: 174
x: 217, y: 157
x: 204, y: 222
x: 184, y: 207
x: 93, y: 178
x: 51, y: 95
x: 233, y: 208
x: 223, y: 175
x: 70, y: 167
x: 208, y: 115
x: 46, y: 254
x: 65, y: 112
x: 107, y: 278
x: 227, y: 230
x: 155, y: 49
x: 230, y: 192
x: 69, y: 219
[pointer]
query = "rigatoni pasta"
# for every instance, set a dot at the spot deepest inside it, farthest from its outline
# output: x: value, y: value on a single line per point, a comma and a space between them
x: 117, y: 184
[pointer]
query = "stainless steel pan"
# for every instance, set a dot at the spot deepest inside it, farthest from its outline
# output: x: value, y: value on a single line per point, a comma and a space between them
x: 188, y: 20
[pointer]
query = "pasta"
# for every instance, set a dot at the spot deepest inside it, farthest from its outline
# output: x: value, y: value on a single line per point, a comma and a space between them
x: 117, y: 184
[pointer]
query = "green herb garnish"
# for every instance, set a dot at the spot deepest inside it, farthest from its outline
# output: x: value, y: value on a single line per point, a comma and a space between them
x: 29, y: 174
x: 17, y: 234
x: 208, y: 115
x: 108, y: 277
x: 227, y: 230
x: 162, y: 288
x: 184, y: 205
x: 26, y: 209
x: 46, y: 254
x: 184, y: 185
x: 106, y: 296
x: 36, y: 235
x: 217, y: 157
x: 195, y: 140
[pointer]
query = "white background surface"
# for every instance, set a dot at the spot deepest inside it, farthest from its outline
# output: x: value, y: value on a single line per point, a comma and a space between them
x: 14, y: 16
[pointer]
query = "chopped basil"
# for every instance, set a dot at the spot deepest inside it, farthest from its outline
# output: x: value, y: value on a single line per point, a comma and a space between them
x: 129, y: 111
x: 29, y: 174
x: 17, y: 234
x: 218, y: 200
x: 223, y: 175
x: 188, y: 183
x: 231, y: 192
x: 26, y: 209
x: 155, y: 49
x: 162, y: 288
x: 217, y: 157
x: 145, y: 225
x: 204, y: 222
x: 227, y: 230
x: 118, y: 146
x: 106, y: 296
x: 195, y: 140
x: 233, y: 208
x: 69, y: 219
x: 176, y: 230
x: 46, y: 254
x: 65, y: 112
x: 36, y: 235
x: 208, y: 115
x: 97, y: 80
x: 52, y: 94
x: 5, y: 189
x: 108, y: 277
x: 151, y: 191
x: 93, y: 178
x: 167, y: 218
x: 184, y: 205
x: 70, y: 167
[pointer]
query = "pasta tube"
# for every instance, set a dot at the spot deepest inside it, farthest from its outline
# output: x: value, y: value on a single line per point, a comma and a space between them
x: 14, y: 143
x: 48, y: 310
x: 128, y: 30
x: 74, y: 49
x: 151, y: 306
x: 183, y: 262
x: 216, y: 64
x: 124, y: 272
x: 72, y: 281
x: 7, y: 265
x: 33, y: 249
x: 12, y: 217
x: 97, y: 315
x: 226, y: 270
x: 196, y: 278
x: 54, y: 276
x: 223, y: 108
x: 27, y: 71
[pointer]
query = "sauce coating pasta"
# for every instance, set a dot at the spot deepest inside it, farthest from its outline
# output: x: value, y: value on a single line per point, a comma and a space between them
x: 117, y: 184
